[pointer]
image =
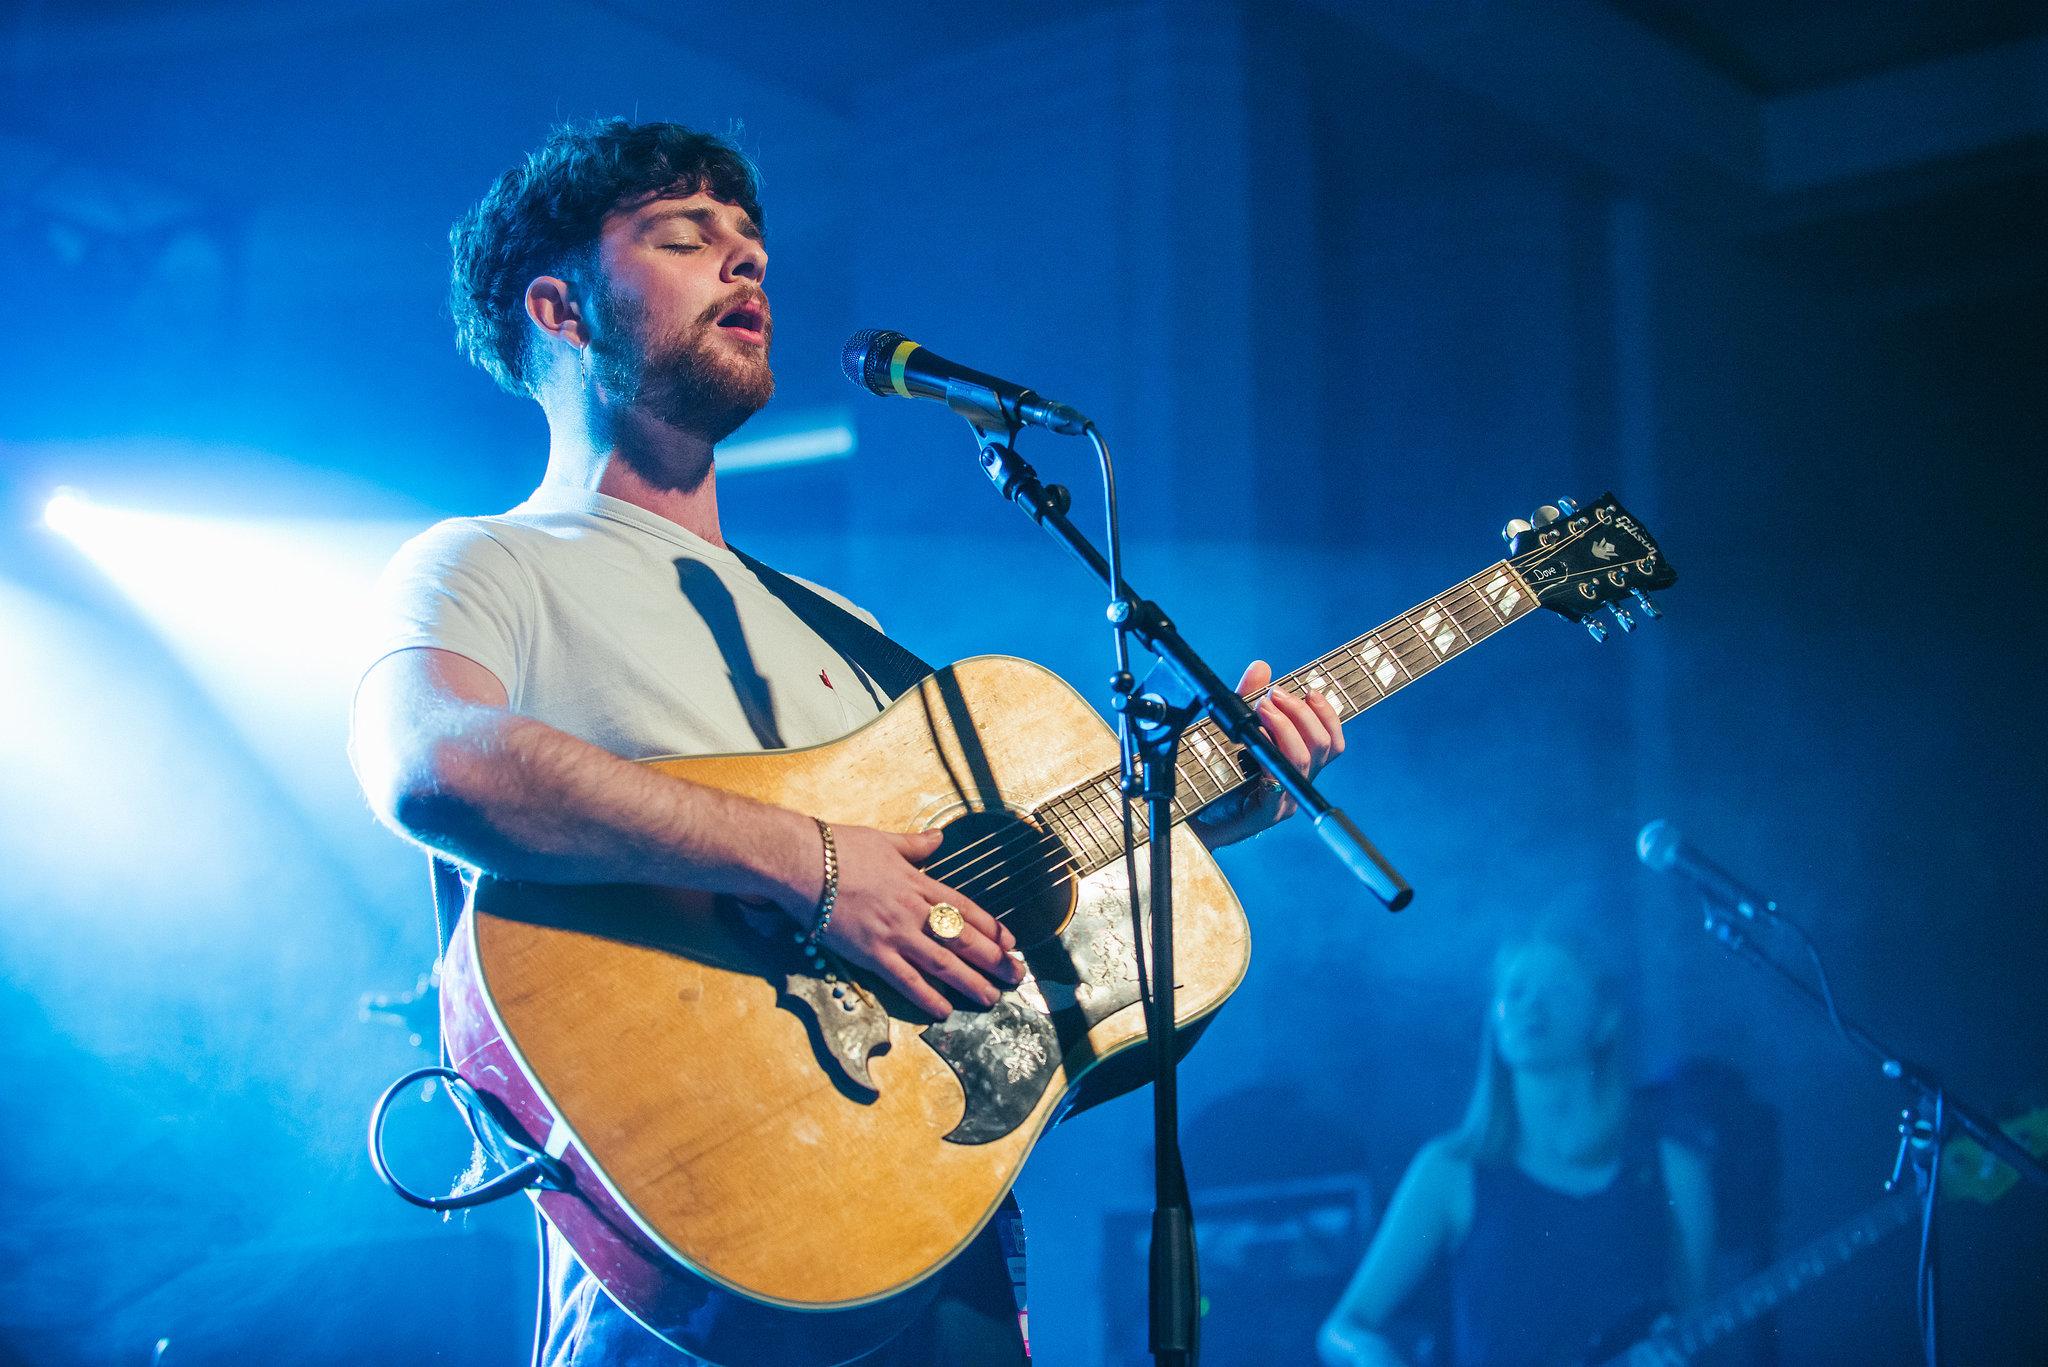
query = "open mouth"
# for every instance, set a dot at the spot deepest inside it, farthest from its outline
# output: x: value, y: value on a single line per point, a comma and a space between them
x: 750, y: 320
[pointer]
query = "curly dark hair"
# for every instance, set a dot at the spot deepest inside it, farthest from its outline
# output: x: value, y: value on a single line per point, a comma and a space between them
x: 545, y: 215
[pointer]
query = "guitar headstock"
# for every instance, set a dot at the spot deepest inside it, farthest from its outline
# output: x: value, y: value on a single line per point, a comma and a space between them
x: 1968, y: 1170
x: 1577, y: 561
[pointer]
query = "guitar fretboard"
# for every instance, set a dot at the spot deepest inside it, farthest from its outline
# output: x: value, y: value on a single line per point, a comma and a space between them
x: 1353, y: 677
x: 1758, y: 1295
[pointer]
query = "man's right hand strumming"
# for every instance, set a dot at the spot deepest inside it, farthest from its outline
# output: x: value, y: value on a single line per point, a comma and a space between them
x: 882, y: 922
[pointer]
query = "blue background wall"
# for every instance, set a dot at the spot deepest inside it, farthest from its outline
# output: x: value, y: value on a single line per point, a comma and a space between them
x: 1347, y: 285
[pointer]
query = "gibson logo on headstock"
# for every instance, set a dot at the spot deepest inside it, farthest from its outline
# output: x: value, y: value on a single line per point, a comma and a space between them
x: 1581, y: 561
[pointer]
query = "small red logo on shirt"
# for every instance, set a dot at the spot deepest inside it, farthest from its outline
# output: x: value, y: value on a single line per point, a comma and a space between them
x: 826, y: 679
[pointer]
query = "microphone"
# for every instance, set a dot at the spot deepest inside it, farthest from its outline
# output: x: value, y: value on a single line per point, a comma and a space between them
x: 888, y: 363
x: 1661, y: 847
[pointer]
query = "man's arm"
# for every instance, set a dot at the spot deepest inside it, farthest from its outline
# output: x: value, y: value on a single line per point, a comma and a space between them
x: 445, y: 762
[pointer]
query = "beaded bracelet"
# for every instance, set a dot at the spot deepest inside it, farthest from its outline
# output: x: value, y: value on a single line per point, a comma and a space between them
x: 830, y: 896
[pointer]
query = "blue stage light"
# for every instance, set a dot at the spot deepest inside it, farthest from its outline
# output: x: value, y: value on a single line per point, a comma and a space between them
x: 826, y: 438
x: 269, y: 616
x: 277, y: 597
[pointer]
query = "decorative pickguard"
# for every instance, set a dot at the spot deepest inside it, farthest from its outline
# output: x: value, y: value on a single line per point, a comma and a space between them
x: 1005, y: 1057
x: 848, y: 1025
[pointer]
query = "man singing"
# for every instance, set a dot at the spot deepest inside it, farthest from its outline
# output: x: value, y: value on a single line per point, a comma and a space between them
x: 616, y: 278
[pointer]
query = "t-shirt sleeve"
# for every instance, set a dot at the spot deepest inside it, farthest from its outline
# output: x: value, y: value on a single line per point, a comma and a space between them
x: 456, y: 587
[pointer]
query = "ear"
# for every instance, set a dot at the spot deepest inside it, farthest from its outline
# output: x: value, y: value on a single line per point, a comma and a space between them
x: 551, y: 304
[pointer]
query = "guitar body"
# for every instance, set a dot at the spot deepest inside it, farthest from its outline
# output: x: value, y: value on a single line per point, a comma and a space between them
x: 766, y: 1173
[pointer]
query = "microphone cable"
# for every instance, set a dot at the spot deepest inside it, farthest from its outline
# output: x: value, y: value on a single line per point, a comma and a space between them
x: 536, y: 1169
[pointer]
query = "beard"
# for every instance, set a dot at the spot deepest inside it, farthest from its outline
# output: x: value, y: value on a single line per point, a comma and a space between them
x: 689, y: 377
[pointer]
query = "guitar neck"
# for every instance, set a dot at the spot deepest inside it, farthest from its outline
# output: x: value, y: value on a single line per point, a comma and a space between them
x: 1355, y: 676
x: 1758, y: 1295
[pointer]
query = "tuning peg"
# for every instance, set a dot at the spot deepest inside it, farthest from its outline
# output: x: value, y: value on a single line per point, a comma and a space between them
x: 1516, y: 526
x: 1546, y: 515
x: 1621, y: 617
x: 1596, y: 629
x: 1643, y: 601
x: 1567, y: 506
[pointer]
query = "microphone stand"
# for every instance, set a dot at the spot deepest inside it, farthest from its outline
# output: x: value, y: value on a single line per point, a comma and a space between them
x: 1924, y: 1128
x: 1149, y: 728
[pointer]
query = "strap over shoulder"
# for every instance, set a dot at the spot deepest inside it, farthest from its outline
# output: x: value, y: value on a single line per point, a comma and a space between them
x: 889, y: 667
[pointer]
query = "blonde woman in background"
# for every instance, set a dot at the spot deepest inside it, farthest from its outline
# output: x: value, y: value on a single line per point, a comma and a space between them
x: 1554, y: 1210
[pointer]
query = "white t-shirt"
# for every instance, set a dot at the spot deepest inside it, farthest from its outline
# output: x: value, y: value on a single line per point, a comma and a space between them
x: 622, y: 628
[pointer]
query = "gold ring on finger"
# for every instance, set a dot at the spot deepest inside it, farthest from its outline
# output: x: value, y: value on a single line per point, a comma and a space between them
x: 945, y: 921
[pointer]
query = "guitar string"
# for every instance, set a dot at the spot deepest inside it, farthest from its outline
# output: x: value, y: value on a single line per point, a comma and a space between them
x: 957, y: 867
x: 1014, y: 864
x: 1061, y: 858
x: 1466, y: 592
x: 1353, y: 672
x: 1004, y: 846
x: 1413, y: 655
x: 993, y: 859
x: 1467, y: 596
x: 1005, y: 852
x: 1350, y: 671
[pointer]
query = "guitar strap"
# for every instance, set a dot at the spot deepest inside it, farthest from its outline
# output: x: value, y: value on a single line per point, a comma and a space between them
x: 888, y: 668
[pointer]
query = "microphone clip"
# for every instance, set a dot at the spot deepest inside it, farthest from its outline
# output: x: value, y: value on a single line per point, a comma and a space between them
x: 1016, y: 480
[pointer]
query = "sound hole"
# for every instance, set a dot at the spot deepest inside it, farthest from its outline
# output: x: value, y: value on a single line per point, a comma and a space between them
x: 1015, y: 871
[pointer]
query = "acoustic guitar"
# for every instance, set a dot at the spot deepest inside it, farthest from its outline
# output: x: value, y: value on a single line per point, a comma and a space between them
x: 771, y: 1160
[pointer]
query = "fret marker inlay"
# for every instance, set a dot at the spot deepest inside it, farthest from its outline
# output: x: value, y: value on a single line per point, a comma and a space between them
x: 1322, y: 683
x: 1383, y: 669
